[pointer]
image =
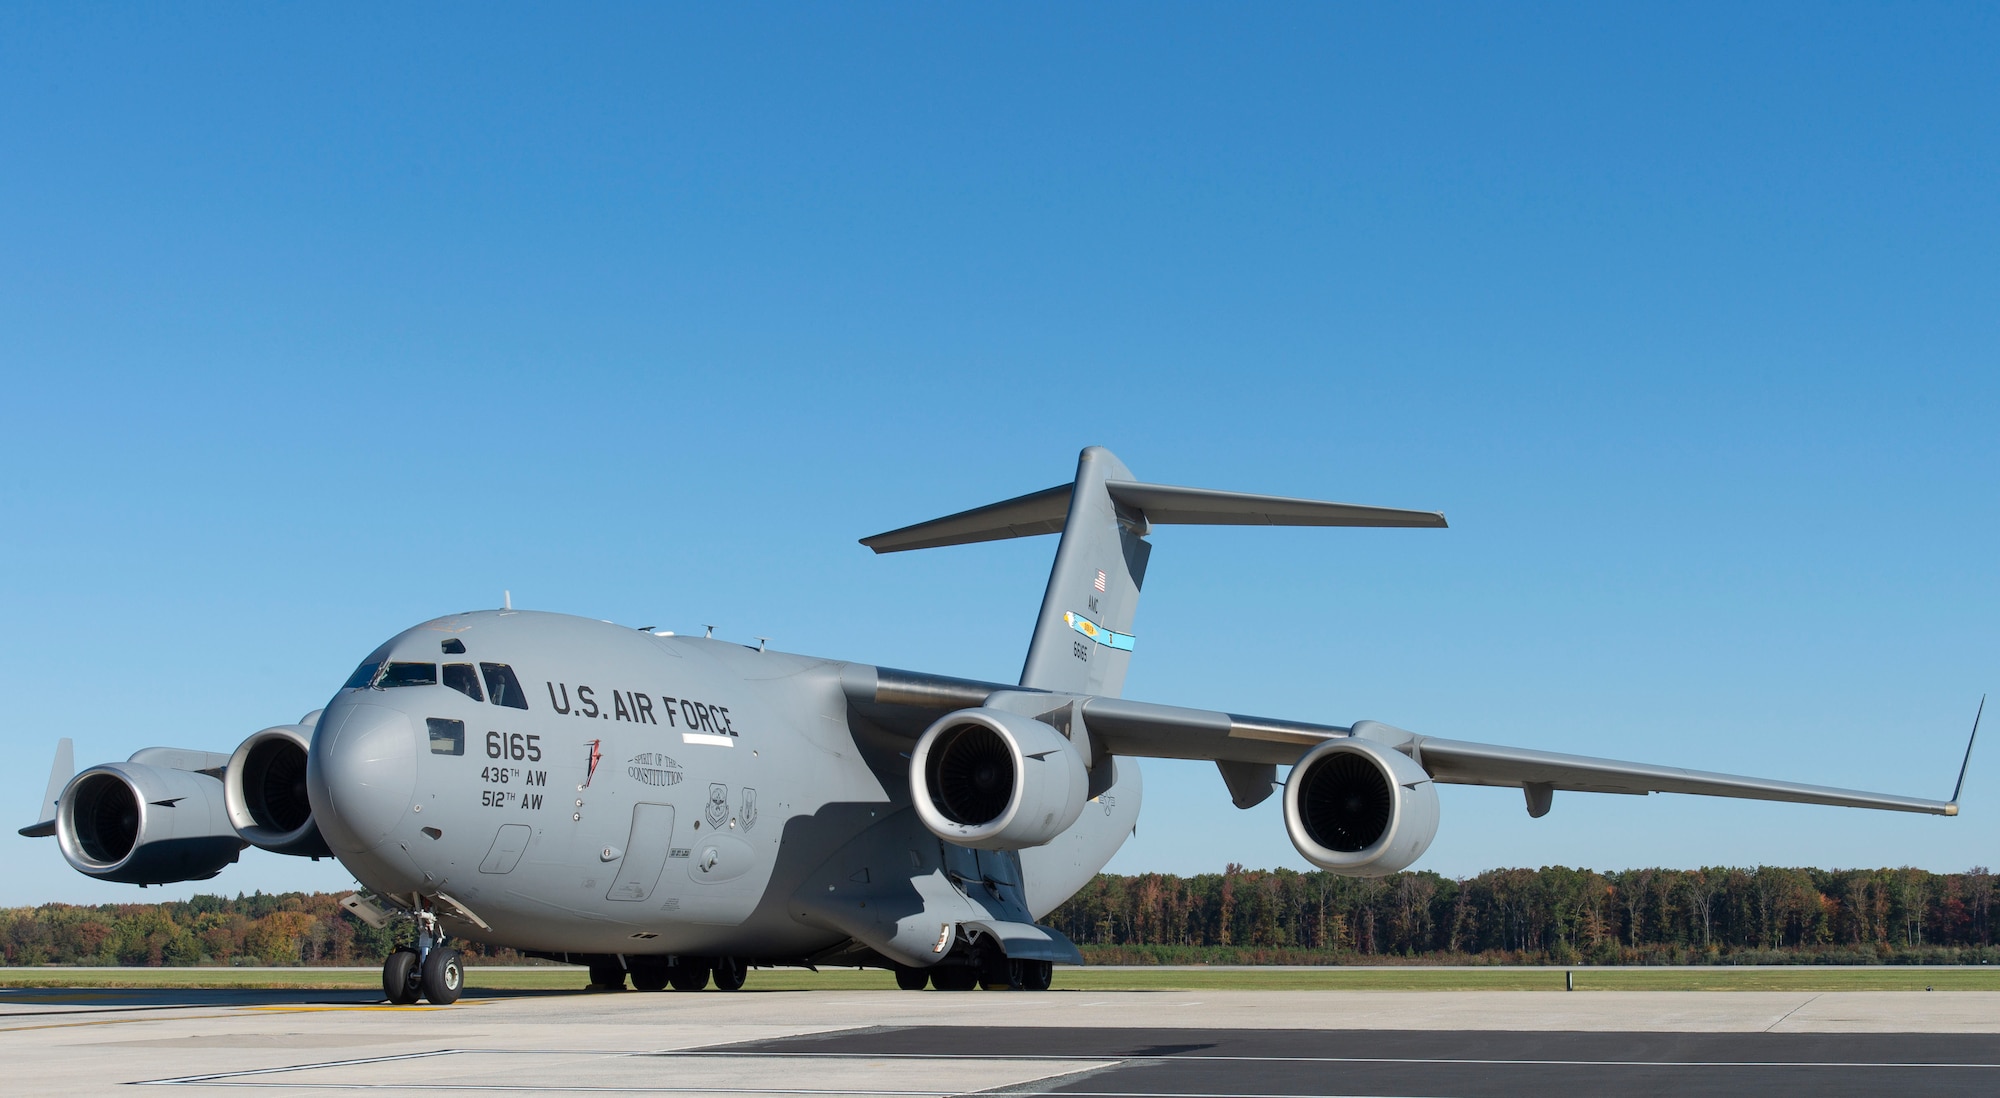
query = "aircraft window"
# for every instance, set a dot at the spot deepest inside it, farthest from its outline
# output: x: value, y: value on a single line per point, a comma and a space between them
x: 409, y: 674
x: 454, y: 647
x: 364, y: 676
x: 462, y: 678
x: 447, y: 737
x: 503, y: 686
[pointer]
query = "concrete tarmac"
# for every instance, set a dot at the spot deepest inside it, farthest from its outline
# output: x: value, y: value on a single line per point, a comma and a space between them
x: 1092, y: 1044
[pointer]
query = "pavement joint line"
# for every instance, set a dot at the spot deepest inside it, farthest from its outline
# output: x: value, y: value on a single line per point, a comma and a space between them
x: 1041, y: 1085
x: 1794, y: 1010
x: 222, y: 1076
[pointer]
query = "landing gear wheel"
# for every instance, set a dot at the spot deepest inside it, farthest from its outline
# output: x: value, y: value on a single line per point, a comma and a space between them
x: 1000, y: 973
x: 607, y: 977
x: 689, y: 975
x: 955, y: 978
x: 444, y: 976
x: 911, y: 979
x: 397, y: 971
x: 730, y: 973
x: 649, y: 976
x: 1037, y: 975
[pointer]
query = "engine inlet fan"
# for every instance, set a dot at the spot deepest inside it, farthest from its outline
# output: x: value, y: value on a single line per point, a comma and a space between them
x: 1347, y: 802
x: 972, y: 775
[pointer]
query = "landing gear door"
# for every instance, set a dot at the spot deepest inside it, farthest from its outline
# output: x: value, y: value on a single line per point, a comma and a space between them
x: 645, y: 854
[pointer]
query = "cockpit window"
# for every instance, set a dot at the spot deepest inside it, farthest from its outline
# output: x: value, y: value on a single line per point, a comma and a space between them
x: 364, y: 676
x: 408, y: 674
x: 447, y: 736
x: 461, y: 677
x: 503, y: 686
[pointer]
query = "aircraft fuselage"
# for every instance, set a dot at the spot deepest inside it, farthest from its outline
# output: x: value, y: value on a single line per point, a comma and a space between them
x: 583, y: 787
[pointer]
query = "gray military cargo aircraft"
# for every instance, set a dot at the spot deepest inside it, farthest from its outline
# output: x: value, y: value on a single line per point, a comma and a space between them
x: 678, y: 809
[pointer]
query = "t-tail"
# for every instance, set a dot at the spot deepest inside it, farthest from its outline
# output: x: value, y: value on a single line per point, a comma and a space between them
x: 1083, y: 639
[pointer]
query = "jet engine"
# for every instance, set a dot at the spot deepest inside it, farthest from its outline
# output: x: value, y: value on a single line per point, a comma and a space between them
x: 265, y: 791
x: 138, y: 824
x: 1360, y: 809
x: 995, y: 780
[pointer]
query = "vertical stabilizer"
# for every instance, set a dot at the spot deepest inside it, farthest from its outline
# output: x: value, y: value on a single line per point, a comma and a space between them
x: 1083, y: 639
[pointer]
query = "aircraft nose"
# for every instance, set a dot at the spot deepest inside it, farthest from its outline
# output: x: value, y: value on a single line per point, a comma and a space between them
x: 361, y: 774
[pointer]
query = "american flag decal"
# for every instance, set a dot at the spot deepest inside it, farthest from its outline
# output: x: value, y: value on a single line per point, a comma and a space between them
x: 1100, y: 581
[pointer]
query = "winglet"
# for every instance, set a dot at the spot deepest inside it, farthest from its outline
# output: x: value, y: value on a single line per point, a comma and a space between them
x: 59, y: 776
x: 1970, y: 740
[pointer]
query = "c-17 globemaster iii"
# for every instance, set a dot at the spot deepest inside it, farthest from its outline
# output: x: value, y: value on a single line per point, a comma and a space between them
x: 678, y: 809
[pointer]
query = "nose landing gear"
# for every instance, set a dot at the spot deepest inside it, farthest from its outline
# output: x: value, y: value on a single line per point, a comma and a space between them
x: 430, y: 970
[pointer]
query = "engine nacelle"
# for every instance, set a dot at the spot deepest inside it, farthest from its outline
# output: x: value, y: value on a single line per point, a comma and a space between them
x: 1360, y: 809
x: 995, y: 780
x: 138, y: 824
x: 265, y: 791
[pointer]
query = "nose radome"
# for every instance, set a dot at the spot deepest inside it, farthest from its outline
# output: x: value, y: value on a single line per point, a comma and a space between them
x: 361, y: 774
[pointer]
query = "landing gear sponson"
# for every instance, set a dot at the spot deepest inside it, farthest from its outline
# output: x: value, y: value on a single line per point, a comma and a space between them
x: 991, y: 971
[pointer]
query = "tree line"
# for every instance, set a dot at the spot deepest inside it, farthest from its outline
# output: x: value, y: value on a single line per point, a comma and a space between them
x: 1555, y: 914
x: 1766, y: 914
x: 291, y: 928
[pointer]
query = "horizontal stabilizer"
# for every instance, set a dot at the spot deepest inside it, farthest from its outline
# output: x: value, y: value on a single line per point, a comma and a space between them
x: 1171, y: 505
x: 1040, y: 512
x: 1046, y: 511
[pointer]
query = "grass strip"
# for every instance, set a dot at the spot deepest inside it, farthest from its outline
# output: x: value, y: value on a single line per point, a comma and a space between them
x: 1498, y: 978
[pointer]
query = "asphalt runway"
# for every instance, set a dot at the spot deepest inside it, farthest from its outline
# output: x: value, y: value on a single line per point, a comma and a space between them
x: 1092, y: 1044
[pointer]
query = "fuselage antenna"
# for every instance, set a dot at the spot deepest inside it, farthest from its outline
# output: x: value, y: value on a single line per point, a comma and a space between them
x: 506, y: 600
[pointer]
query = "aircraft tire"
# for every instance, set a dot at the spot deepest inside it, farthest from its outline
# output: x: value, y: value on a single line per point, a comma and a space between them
x: 649, y: 977
x: 1037, y: 975
x: 954, y: 978
x: 444, y: 977
x: 396, y: 971
x: 912, y: 979
x: 730, y: 972
x: 689, y: 975
x: 607, y: 977
x: 1000, y: 973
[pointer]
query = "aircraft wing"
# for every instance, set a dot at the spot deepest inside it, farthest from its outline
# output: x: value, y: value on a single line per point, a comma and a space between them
x: 1248, y: 749
x: 1138, y: 728
x: 1460, y: 763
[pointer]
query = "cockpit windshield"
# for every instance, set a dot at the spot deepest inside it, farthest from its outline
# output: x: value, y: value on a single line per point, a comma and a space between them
x: 408, y: 674
x: 462, y: 678
x: 503, y: 686
x: 364, y: 676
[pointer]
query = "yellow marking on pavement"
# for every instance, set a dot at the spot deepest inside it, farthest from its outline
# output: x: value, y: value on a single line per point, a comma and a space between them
x: 113, y: 1022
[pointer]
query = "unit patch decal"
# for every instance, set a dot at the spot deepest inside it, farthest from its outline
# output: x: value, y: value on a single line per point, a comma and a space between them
x: 748, y: 815
x: 718, y: 804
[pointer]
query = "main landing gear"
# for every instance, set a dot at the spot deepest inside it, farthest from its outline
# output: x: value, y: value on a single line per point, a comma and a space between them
x: 430, y: 970
x: 994, y: 973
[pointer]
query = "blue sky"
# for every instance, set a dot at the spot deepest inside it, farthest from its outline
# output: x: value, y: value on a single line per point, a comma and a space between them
x: 315, y: 324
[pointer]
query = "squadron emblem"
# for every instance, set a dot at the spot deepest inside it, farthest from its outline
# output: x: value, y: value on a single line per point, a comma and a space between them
x: 749, y: 813
x: 718, y: 804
